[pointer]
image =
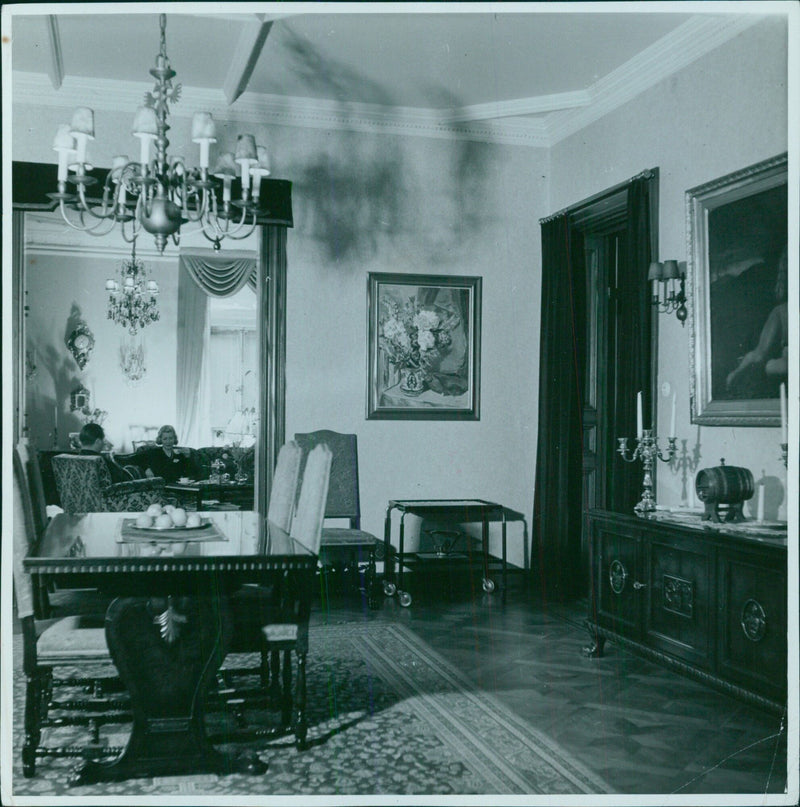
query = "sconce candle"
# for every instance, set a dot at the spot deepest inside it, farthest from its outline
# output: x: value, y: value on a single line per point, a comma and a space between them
x: 639, y: 428
x: 760, y: 508
x: 672, y: 418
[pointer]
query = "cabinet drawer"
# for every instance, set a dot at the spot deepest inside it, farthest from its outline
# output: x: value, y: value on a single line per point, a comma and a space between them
x: 618, y: 592
x: 752, y: 624
x: 679, y: 593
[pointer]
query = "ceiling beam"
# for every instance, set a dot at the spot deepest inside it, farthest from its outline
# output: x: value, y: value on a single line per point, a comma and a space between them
x: 537, y: 105
x: 55, y: 68
x: 248, y: 49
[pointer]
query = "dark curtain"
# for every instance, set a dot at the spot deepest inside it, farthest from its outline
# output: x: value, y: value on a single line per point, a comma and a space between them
x: 557, y: 509
x: 633, y: 372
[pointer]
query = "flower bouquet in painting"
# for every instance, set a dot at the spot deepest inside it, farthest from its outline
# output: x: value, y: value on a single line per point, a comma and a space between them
x: 416, y: 339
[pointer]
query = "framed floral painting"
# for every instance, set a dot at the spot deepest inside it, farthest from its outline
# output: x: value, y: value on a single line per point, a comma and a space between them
x: 424, y: 335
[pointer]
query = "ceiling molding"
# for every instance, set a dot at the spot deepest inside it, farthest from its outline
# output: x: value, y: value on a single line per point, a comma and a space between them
x: 695, y: 38
x: 520, y: 106
x: 117, y: 96
x: 687, y: 43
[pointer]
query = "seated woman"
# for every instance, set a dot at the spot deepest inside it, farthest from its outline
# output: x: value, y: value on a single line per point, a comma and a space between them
x: 165, y: 460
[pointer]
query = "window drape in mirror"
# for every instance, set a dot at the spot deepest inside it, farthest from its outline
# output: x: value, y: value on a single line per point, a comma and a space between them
x: 203, y: 273
x: 220, y: 274
x: 557, y: 508
x: 191, y: 377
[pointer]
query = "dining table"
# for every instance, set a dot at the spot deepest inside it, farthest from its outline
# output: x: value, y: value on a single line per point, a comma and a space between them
x: 170, y: 622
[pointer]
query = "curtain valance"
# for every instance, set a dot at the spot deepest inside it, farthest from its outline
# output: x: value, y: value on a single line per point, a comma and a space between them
x: 220, y: 275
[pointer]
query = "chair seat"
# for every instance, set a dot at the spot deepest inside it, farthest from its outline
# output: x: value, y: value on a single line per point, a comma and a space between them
x: 280, y: 632
x: 73, y: 638
x: 344, y: 536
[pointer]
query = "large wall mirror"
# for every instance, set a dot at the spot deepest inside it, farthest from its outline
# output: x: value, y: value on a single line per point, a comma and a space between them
x: 222, y: 357
x: 133, y: 380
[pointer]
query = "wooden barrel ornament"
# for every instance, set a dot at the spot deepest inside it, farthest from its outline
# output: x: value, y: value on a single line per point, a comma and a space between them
x: 726, y: 484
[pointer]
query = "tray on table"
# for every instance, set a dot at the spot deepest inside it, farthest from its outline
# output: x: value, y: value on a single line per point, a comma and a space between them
x: 129, y: 533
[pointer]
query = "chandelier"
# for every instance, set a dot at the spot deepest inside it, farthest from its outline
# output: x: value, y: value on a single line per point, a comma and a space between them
x: 132, y: 303
x: 159, y: 195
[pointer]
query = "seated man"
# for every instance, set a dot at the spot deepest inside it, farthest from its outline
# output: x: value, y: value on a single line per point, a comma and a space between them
x: 92, y: 439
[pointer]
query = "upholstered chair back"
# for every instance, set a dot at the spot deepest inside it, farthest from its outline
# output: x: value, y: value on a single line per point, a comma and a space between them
x: 284, y: 486
x: 310, y: 513
x: 80, y: 480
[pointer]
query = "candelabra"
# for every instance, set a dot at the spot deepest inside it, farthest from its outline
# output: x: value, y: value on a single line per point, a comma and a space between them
x: 647, y: 451
x: 686, y: 464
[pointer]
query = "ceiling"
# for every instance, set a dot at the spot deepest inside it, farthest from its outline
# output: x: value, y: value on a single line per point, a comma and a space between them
x: 525, y: 76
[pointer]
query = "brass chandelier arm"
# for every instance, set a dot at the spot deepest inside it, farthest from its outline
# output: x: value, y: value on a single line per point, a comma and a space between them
x: 168, y: 194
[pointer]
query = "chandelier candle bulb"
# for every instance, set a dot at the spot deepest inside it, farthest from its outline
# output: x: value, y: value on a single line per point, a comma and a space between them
x: 63, y: 143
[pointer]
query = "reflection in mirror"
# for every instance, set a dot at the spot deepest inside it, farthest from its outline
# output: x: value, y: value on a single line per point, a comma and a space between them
x: 131, y: 379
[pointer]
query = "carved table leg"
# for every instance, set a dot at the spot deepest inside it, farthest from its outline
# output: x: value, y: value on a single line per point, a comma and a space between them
x: 167, y: 652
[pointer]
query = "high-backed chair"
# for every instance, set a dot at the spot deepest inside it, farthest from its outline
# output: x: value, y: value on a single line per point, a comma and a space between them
x: 84, y: 486
x: 73, y: 642
x: 33, y: 477
x: 253, y: 604
x: 349, y: 549
x: 49, y: 601
x: 265, y: 619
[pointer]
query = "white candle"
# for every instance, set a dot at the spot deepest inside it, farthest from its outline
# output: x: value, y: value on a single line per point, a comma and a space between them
x: 639, y: 429
x: 672, y: 419
x: 783, y: 414
x: 760, y: 507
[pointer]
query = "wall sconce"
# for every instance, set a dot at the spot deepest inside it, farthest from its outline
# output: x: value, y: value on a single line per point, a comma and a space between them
x: 669, y: 288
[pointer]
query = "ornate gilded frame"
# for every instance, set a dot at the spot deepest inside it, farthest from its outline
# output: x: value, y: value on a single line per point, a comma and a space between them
x: 742, y: 190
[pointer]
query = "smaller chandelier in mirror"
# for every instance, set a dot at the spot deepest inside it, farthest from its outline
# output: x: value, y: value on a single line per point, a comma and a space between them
x: 132, y: 300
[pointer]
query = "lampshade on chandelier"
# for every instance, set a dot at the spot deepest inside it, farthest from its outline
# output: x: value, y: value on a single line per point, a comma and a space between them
x: 132, y: 303
x: 159, y: 195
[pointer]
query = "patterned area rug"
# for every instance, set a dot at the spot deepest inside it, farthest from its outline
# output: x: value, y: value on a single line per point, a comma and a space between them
x: 387, y: 715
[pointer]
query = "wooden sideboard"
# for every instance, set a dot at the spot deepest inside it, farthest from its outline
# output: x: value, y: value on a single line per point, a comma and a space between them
x: 707, y: 600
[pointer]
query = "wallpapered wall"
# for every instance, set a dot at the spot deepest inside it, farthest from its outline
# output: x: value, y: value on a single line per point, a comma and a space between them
x: 726, y: 111
x: 367, y: 203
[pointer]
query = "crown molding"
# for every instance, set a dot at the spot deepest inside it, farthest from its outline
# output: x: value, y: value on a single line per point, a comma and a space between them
x: 536, y: 105
x: 688, y: 42
x: 498, y: 123
x: 118, y: 96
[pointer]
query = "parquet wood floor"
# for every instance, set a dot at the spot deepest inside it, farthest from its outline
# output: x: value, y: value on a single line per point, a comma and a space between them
x: 643, y: 728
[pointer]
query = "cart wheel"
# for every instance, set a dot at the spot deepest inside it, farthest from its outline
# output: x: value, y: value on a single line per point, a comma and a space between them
x: 405, y: 599
x: 488, y: 585
x: 389, y: 589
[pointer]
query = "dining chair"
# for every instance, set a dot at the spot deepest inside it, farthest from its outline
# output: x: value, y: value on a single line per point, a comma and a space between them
x: 32, y: 473
x: 74, y: 642
x: 267, y: 620
x: 281, y: 633
x: 348, y: 550
x: 253, y: 603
